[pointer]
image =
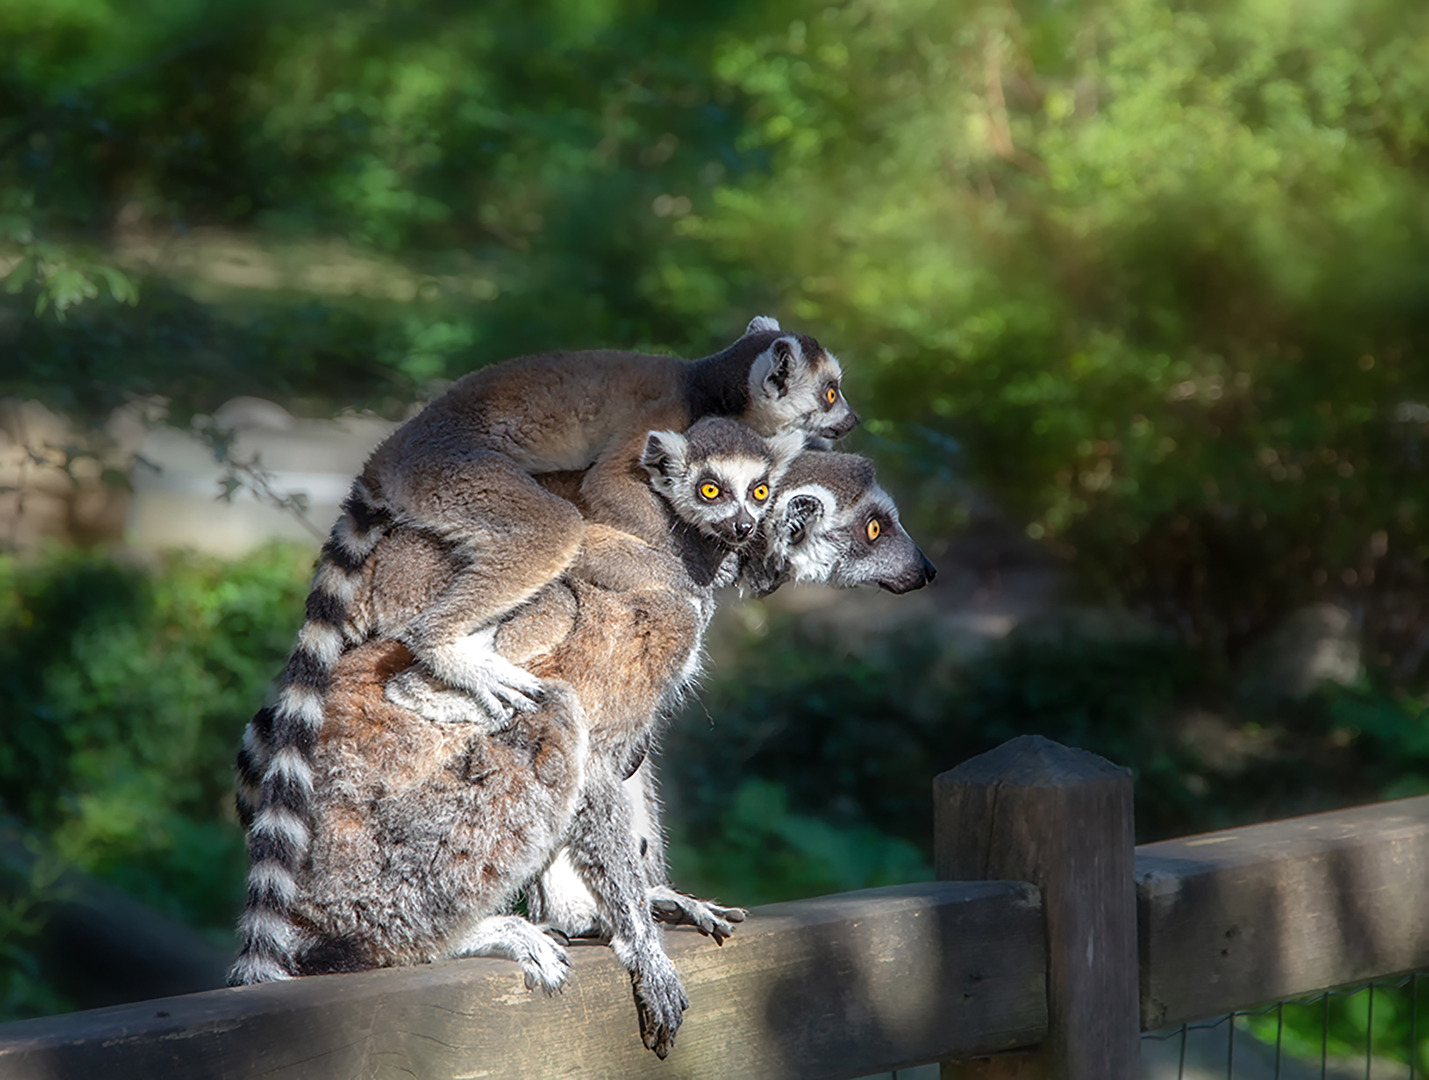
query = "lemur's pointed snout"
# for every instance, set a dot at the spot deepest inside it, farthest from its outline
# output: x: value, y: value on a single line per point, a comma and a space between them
x: 840, y: 427
x: 917, y: 571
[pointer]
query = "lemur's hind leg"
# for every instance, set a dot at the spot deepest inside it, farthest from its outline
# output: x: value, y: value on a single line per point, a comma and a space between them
x: 506, y: 538
x: 616, y: 491
x: 667, y: 905
x: 561, y: 899
x: 605, y: 855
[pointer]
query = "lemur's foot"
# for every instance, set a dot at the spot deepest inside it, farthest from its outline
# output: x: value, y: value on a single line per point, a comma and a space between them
x: 660, y: 1003
x: 545, y: 965
x: 709, y: 918
x: 474, y: 665
x: 468, y: 682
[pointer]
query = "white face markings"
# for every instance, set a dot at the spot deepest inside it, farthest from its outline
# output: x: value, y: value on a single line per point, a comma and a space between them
x: 833, y: 545
x: 722, y: 492
x: 718, y: 478
x: 737, y: 480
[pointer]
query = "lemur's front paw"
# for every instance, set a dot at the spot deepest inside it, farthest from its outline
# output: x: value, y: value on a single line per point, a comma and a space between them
x: 545, y: 964
x: 660, y: 1003
x: 418, y: 691
x: 709, y: 918
x: 542, y: 960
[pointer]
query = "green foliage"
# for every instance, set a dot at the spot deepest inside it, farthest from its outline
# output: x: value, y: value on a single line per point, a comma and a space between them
x: 126, y: 692
x: 23, y: 989
x: 757, y: 851
x: 62, y: 276
x: 797, y: 749
x: 1345, y: 1026
x: 1156, y: 272
x: 1157, y: 268
x: 805, y: 769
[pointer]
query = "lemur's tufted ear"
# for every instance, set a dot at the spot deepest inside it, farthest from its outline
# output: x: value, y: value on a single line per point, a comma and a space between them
x: 775, y: 366
x: 664, y: 456
x: 761, y: 323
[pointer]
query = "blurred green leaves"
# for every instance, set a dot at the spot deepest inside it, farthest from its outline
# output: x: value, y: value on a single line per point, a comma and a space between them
x: 62, y: 276
x: 125, y: 692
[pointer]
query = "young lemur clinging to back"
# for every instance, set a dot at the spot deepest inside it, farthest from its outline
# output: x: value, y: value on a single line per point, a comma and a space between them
x: 403, y: 871
x: 715, y: 482
x: 423, y: 831
x: 462, y: 472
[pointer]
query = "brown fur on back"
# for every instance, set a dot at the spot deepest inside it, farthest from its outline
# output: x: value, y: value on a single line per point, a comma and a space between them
x: 422, y: 828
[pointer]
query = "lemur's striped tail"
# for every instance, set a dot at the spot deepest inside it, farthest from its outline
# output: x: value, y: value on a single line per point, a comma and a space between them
x: 275, y: 777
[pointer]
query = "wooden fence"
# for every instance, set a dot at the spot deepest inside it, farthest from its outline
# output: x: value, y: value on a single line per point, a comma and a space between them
x: 1050, y: 943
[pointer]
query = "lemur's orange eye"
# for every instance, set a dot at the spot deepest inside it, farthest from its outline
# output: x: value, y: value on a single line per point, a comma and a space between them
x: 760, y: 492
x: 709, y: 491
x: 831, y: 394
x: 872, y: 529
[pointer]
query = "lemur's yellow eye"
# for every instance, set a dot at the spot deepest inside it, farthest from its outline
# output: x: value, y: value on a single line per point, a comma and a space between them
x: 709, y: 491
x: 760, y: 492
x: 873, y: 528
x: 831, y: 394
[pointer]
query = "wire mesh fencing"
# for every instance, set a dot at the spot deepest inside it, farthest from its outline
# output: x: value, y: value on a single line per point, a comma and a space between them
x: 1375, y: 1030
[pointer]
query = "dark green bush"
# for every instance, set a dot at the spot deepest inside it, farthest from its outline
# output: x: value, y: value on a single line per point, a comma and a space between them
x: 126, y: 693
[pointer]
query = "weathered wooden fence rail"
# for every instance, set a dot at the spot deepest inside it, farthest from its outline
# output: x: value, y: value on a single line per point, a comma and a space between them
x: 1244, y: 917
x: 837, y: 986
x: 1049, y: 975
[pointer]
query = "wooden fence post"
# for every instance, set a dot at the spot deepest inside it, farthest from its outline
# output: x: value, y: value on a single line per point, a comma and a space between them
x: 1034, y: 810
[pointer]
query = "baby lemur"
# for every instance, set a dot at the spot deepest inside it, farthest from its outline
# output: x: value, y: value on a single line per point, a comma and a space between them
x: 462, y: 472
x: 409, y: 863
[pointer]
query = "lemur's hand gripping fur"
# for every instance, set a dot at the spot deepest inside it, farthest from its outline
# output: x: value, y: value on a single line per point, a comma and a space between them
x: 471, y: 684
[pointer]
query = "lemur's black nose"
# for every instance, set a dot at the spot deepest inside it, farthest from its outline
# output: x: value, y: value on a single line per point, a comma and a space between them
x: 929, y: 570
x: 743, y: 527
